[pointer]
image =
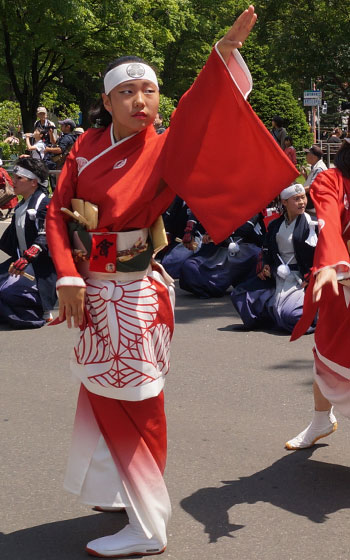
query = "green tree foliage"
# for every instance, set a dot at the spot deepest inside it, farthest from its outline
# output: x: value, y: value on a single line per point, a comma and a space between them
x: 70, y: 42
x: 62, y: 106
x: 166, y: 107
x: 272, y: 97
x: 278, y: 100
x: 10, y: 118
x: 206, y: 22
x: 54, y: 52
x: 307, y: 40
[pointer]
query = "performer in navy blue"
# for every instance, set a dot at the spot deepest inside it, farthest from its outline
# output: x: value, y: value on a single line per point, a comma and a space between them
x: 275, y: 297
x: 214, y: 268
x: 27, y: 278
x: 184, y: 234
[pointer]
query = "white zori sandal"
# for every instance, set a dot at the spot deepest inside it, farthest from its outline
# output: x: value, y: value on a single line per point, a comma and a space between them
x: 323, y: 424
x: 129, y: 541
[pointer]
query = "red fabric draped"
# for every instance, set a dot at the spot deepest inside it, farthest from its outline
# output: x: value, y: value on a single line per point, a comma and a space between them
x: 132, y: 428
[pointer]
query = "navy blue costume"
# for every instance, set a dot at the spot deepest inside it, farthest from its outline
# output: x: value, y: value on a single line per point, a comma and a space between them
x: 214, y: 268
x: 22, y: 301
x: 175, y: 220
x: 276, y: 301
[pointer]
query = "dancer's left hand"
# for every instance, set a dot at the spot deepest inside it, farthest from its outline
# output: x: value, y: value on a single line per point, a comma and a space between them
x: 238, y: 33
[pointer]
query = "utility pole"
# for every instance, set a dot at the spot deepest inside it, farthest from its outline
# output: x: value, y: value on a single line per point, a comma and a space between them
x: 313, y: 114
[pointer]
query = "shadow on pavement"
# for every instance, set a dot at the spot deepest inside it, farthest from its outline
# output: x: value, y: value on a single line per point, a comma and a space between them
x: 61, y: 539
x: 189, y: 308
x: 294, y: 364
x: 294, y: 483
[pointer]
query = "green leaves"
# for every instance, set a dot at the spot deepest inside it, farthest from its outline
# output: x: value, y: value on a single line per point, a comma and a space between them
x: 63, y: 46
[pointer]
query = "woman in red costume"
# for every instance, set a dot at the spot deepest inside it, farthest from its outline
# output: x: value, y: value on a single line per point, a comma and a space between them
x: 4, y: 176
x: 119, y: 298
x: 329, y: 293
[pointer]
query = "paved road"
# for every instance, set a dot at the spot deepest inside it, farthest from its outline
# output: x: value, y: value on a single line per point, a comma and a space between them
x: 233, y: 398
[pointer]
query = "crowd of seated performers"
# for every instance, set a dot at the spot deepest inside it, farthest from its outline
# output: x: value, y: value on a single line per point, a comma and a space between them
x: 266, y: 271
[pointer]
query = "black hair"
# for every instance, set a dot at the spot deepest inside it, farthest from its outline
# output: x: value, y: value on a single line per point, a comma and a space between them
x: 342, y: 159
x: 290, y: 139
x: 98, y: 115
x: 278, y: 120
x: 36, y: 166
x: 42, y: 132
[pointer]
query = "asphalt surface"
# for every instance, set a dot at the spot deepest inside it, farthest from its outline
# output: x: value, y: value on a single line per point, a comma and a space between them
x: 233, y: 398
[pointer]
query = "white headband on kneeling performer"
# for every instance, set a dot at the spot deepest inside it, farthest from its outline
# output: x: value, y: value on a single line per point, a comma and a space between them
x: 292, y: 190
x: 22, y: 172
x: 129, y: 71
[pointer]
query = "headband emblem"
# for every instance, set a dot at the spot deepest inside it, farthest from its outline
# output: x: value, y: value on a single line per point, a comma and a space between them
x: 298, y: 189
x: 135, y: 70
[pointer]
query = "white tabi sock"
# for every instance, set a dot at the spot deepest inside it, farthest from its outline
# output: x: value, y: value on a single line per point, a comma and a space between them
x: 130, y: 540
x: 323, y: 424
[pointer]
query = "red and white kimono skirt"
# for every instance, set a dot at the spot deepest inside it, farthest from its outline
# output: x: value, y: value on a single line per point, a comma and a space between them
x: 331, y: 195
x: 119, y: 443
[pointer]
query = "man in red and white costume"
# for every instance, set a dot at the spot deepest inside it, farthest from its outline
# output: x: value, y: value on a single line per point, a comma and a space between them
x: 329, y: 294
x: 126, y: 316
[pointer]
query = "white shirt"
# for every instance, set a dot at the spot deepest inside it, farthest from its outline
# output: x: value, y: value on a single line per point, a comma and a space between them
x: 315, y: 170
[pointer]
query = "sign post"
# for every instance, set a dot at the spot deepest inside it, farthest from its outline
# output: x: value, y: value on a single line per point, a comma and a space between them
x: 313, y: 98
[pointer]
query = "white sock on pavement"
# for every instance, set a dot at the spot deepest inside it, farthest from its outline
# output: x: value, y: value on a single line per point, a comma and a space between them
x: 323, y: 424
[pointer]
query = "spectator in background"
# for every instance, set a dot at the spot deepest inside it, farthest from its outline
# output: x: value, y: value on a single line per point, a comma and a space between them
x: 278, y: 132
x: 158, y: 124
x: 11, y: 139
x: 335, y: 137
x: 44, y: 124
x: 314, y: 156
x: 37, y: 149
x: 78, y: 131
x: 61, y: 147
x: 289, y: 150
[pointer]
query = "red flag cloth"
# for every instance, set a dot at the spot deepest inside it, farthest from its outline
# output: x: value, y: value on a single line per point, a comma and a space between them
x: 232, y: 167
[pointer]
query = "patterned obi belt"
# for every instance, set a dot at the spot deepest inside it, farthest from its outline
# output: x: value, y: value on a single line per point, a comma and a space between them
x: 107, y: 254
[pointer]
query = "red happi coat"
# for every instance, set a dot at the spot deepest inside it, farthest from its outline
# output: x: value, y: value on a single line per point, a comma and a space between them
x: 217, y: 155
x: 331, y: 195
x: 5, y: 176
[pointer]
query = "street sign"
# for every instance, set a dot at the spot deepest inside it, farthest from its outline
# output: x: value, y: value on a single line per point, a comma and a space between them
x: 312, y: 98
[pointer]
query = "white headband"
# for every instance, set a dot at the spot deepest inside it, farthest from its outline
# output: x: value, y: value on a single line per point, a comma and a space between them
x: 292, y: 191
x: 126, y: 72
x: 22, y: 172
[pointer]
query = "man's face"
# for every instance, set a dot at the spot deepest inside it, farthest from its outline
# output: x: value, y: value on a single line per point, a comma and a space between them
x: 311, y: 158
x: 41, y: 116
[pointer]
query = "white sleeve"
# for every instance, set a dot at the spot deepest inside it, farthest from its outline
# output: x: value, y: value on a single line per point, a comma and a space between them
x: 239, y: 71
